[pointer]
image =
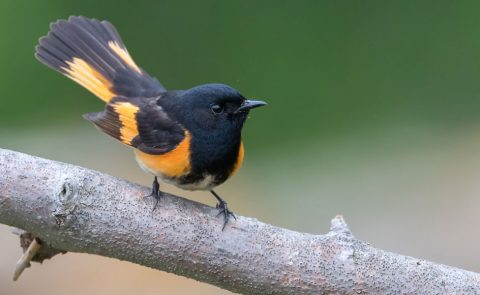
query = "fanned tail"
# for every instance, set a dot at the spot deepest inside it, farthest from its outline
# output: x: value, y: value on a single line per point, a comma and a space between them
x: 91, y: 53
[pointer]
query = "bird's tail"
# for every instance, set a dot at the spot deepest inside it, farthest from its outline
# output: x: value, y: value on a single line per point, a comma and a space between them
x: 91, y: 53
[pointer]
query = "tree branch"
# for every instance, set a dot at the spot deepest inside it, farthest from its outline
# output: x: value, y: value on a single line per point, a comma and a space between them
x: 80, y: 210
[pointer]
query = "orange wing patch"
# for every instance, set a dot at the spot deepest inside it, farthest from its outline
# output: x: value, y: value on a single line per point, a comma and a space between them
x: 126, y: 113
x: 240, y: 156
x: 174, y: 163
x: 124, y: 55
x: 85, y: 75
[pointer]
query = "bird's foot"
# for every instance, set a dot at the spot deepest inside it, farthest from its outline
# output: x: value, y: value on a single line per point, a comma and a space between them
x: 156, y: 193
x: 223, y: 210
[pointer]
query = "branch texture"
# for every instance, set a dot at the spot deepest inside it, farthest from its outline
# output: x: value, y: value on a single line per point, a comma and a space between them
x: 80, y: 210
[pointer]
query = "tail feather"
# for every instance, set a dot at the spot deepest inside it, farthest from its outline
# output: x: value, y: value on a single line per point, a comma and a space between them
x: 91, y: 53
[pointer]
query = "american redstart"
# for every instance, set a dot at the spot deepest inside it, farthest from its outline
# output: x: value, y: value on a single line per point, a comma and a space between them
x: 190, y: 138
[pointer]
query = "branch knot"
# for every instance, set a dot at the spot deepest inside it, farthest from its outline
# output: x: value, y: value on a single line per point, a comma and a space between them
x: 340, y: 227
x: 67, y: 204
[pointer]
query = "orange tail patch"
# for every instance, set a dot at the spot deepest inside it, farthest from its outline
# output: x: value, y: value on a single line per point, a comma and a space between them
x: 91, y: 53
x: 124, y: 55
x: 82, y: 73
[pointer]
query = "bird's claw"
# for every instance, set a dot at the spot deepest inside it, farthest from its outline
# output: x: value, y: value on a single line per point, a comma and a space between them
x: 156, y: 193
x: 156, y: 196
x: 223, y: 209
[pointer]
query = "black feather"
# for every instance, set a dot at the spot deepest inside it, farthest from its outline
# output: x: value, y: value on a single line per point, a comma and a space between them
x: 88, y: 39
x: 108, y: 121
x: 157, y: 132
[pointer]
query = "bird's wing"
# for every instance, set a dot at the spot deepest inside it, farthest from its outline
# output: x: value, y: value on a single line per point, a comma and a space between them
x: 91, y: 53
x: 140, y: 123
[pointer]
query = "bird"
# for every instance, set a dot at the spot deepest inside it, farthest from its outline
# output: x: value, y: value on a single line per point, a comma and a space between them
x: 189, y: 138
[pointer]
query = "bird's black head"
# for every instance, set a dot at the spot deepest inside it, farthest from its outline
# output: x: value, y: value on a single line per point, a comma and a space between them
x: 216, y: 107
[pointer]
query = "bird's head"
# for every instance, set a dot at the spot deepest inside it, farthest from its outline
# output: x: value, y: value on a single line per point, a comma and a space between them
x: 217, y: 107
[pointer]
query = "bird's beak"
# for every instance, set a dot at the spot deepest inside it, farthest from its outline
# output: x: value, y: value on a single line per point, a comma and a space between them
x: 249, y: 104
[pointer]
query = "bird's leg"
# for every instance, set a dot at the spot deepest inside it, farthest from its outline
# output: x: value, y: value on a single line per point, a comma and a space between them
x: 156, y: 193
x: 223, y: 209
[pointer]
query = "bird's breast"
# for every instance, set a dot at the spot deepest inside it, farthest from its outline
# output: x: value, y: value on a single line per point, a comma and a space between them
x: 212, y: 171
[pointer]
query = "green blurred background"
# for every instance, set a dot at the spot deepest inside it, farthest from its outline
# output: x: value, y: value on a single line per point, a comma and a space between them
x: 374, y: 113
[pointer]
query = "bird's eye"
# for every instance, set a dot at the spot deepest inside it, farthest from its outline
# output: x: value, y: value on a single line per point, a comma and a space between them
x: 216, y: 108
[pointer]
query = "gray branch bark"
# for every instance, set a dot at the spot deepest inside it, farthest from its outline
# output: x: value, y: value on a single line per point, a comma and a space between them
x: 80, y: 210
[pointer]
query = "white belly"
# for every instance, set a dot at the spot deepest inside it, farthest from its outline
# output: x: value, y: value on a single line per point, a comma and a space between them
x: 206, y: 184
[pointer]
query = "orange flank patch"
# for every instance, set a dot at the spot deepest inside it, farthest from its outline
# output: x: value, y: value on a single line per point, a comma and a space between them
x: 240, y: 156
x: 126, y: 113
x: 85, y: 75
x: 174, y: 163
x: 123, y: 54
